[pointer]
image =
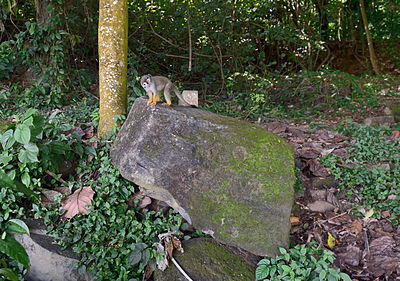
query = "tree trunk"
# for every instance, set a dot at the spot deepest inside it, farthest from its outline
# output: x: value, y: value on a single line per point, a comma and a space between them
x: 372, y: 55
x: 113, y: 49
x: 42, y: 11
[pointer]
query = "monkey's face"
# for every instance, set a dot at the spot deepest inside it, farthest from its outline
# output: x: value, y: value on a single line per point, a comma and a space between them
x: 146, y: 83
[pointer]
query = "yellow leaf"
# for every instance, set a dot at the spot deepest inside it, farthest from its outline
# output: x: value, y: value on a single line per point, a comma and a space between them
x: 331, y: 241
x: 369, y: 213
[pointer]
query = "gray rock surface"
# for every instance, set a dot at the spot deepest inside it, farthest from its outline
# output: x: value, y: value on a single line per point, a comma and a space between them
x: 205, y: 260
x: 227, y: 177
x: 48, y: 262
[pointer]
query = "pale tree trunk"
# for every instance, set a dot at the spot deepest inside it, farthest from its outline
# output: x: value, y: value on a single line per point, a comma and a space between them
x: 372, y: 55
x: 113, y: 50
x: 42, y: 11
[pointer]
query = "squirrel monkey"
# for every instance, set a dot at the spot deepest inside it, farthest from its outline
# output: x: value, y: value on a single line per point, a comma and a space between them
x: 154, y: 84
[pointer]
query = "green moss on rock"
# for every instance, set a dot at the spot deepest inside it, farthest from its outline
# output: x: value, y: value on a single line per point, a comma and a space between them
x: 204, y: 259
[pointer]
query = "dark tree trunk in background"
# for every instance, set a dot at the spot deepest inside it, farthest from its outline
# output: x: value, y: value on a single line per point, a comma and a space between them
x: 371, y: 49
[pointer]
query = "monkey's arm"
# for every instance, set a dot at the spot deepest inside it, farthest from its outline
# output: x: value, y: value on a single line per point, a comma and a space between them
x: 150, y: 94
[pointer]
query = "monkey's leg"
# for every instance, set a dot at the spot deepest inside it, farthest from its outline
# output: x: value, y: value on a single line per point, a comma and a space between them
x: 156, y: 98
x: 167, y: 95
x: 150, y: 94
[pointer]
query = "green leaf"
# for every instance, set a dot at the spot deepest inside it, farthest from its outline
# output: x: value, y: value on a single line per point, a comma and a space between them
x: 264, y: 261
x: 7, y: 272
x: 26, y: 179
x: 5, y: 158
x: 322, y: 275
x: 262, y: 272
x: 286, y: 268
x: 283, y: 251
x: 14, y: 250
x: 17, y: 226
x: 7, y: 139
x: 25, y: 156
x: 345, y: 277
x: 22, y: 134
x: 31, y: 147
x: 29, y: 113
x: 29, y: 121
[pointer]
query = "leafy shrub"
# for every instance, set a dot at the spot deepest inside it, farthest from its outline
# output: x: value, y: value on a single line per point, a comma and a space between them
x: 300, y: 263
x: 7, y: 60
x: 29, y: 147
x: 113, y: 239
x: 373, y: 169
x: 11, y: 248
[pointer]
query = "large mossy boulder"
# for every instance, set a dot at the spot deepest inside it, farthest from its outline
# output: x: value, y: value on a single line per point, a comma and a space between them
x: 227, y: 177
x: 205, y: 260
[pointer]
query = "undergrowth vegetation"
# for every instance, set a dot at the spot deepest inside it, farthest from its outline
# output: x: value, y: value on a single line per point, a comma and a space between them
x: 371, y: 175
x: 300, y: 263
x: 114, y: 239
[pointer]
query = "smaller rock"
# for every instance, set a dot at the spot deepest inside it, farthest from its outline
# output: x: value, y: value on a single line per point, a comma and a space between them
x: 352, y: 256
x: 379, y: 120
x: 318, y: 194
x: 394, y: 107
x: 321, y: 206
x: 192, y: 97
x: 205, y: 260
x: 47, y: 260
x: 324, y: 183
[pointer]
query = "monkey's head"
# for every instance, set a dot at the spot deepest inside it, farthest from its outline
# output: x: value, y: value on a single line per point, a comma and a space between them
x: 145, y: 81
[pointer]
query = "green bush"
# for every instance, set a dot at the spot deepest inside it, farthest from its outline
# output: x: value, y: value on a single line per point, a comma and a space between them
x: 113, y: 239
x: 30, y: 146
x: 7, y: 60
x: 300, y: 263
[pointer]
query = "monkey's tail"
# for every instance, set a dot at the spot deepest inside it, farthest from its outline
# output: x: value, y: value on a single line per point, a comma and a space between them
x: 178, y: 94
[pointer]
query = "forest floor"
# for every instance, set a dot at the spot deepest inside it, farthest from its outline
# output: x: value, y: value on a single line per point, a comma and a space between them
x: 365, y: 247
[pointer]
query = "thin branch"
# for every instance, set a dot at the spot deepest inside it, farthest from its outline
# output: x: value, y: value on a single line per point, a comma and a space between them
x: 180, y: 269
x: 190, y: 38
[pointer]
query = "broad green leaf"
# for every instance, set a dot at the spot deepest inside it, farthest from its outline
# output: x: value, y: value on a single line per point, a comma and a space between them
x: 25, y: 156
x: 26, y: 179
x: 31, y: 147
x: 14, y: 250
x: 286, y: 268
x: 29, y: 113
x: 7, y: 139
x: 17, y: 226
x: 265, y: 261
x: 5, y: 158
x: 135, y: 258
x: 8, y: 273
x: 262, y: 272
x: 345, y: 277
x: 322, y: 275
x: 22, y: 134
x: 28, y: 122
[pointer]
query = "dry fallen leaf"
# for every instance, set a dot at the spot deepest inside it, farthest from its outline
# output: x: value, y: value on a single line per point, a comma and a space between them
x: 294, y: 220
x: 356, y: 227
x: 385, y: 214
x: 369, y: 214
x: 78, y: 202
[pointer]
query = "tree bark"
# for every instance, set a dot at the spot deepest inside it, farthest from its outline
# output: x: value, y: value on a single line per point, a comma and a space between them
x: 42, y: 11
x: 371, y: 49
x: 113, y: 50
